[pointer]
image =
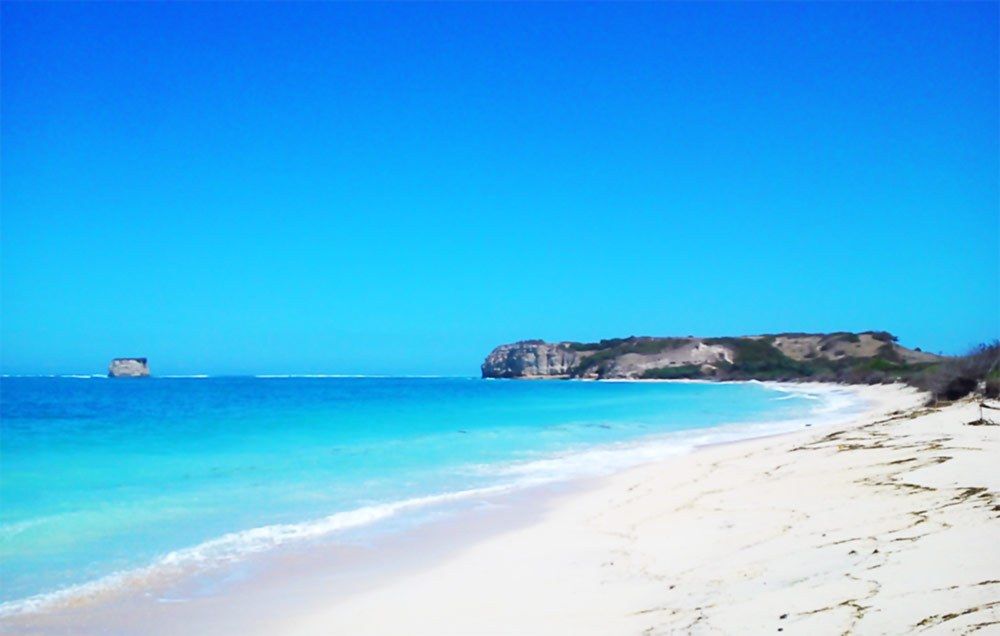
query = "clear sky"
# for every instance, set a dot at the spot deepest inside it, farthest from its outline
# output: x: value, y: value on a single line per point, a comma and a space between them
x: 248, y: 188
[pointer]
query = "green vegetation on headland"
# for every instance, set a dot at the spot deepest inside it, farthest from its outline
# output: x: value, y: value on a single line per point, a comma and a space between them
x: 947, y: 379
x: 870, y: 357
x: 607, y: 350
x: 683, y: 372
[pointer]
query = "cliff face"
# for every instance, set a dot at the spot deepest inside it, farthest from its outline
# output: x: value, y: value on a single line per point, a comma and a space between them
x: 528, y: 359
x: 128, y: 368
x: 840, y: 356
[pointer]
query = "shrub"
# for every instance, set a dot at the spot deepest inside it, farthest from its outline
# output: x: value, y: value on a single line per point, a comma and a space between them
x: 841, y: 336
x: 595, y: 346
x: 957, y: 387
x: 686, y: 371
x: 888, y: 352
x: 992, y: 389
x: 960, y: 376
x: 882, y: 336
x: 760, y: 359
x: 607, y: 350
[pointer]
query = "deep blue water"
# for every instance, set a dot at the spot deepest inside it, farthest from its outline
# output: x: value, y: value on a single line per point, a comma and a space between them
x: 99, y: 476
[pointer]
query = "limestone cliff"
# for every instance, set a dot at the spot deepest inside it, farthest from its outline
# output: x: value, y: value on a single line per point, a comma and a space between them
x: 841, y: 356
x: 530, y: 358
x: 128, y: 368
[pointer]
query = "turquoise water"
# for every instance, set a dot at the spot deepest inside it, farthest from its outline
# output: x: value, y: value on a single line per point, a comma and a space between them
x: 102, y: 476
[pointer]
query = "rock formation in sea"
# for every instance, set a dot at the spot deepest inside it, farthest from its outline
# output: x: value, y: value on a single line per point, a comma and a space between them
x: 841, y: 356
x: 128, y: 368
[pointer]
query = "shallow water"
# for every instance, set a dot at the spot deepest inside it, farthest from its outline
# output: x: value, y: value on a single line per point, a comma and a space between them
x: 102, y: 480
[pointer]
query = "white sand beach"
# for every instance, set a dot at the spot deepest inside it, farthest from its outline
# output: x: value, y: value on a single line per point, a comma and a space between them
x: 885, y: 525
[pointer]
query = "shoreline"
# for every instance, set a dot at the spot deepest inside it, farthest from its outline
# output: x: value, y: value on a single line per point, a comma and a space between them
x: 169, y: 569
x: 520, y: 507
x: 885, y: 524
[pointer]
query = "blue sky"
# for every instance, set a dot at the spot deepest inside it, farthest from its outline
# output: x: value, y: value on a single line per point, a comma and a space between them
x: 241, y: 188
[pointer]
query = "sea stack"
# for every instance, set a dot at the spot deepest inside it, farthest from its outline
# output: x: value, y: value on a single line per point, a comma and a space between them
x: 128, y: 368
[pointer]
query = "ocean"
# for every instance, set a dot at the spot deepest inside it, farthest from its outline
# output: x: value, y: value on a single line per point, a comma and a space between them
x: 107, y: 482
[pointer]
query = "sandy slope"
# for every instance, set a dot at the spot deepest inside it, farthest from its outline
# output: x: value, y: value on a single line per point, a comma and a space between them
x: 888, y: 525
